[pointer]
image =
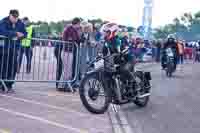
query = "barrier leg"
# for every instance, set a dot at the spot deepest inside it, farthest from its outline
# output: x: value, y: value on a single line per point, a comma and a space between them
x: 4, y: 85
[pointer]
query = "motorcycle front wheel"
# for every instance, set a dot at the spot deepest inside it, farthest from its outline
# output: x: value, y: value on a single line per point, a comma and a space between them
x: 169, y: 70
x: 92, y: 90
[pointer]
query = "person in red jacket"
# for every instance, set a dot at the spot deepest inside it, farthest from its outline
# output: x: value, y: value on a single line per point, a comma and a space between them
x: 72, y: 36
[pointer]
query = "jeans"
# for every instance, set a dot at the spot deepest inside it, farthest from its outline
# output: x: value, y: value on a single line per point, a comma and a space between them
x: 83, y: 60
x: 180, y: 60
x: 59, y: 68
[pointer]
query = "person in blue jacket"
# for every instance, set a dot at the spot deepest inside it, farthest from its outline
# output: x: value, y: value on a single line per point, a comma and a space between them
x: 12, y: 31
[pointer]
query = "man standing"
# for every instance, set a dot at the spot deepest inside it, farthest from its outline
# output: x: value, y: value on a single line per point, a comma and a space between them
x: 158, y: 45
x: 57, y: 53
x: 14, y: 30
x: 26, y: 46
x: 180, y: 52
x: 72, y: 35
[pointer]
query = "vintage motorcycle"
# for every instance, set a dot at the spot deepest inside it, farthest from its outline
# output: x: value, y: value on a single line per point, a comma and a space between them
x: 170, y: 59
x: 104, y: 80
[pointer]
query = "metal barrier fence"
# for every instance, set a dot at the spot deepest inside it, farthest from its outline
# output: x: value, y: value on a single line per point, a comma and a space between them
x: 47, y: 61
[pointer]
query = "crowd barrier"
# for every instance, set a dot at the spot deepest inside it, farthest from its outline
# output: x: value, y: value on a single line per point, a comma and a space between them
x: 45, y: 61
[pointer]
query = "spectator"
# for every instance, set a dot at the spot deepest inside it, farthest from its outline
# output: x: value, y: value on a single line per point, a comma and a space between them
x: 197, y: 52
x: 26, y: 46
x: 142, y: 50
x: 180, y: 52
x: 86, y: 48
x: 153, y: 48
x: 125, y: 40
x: 89, y: 40
x: 158, y: 45
x: 72, y: 35
x: 138, y: 49
x: 98, y: 36
x: 12, y: 28
x: 188, y: 51
x: 57, y: 53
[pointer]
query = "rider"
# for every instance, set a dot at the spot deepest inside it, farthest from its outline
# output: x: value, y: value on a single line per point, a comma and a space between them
x: 171, y: 43
x: 113, y: 45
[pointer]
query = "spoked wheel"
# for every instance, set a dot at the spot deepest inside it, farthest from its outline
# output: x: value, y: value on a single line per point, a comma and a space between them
x: 169, y: 70
x: 141, y: 102
x: 93, y: 95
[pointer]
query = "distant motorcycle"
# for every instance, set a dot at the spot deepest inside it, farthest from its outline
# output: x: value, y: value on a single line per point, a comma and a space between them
x: 113, y: 88
x: 170, y: 65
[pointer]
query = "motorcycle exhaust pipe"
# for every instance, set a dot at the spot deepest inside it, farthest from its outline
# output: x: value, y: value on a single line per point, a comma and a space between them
x: 145, y: 95
x: 117, y: 90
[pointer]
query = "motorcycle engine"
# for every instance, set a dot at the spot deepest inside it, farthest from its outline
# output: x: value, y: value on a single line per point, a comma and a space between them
x: 128, y: 90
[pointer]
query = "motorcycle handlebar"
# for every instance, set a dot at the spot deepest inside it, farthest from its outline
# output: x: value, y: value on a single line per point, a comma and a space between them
x: 113, y: 55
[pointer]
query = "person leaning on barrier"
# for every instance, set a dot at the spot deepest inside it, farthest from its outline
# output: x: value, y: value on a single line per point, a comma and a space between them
x: 180, y: 52
x: 14, y: 30
x: 71, y: 34
x: 57, y: 53
x: 26, y: 46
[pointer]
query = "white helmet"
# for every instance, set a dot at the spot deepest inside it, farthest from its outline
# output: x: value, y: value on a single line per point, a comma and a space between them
x: 112, y: 27
x: 171, y: 36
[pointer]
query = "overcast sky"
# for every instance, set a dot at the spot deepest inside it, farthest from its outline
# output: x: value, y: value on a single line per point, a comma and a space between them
x: 128, y: 12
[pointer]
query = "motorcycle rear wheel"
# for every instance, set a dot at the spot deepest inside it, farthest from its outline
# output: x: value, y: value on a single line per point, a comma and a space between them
x: 142, y: 102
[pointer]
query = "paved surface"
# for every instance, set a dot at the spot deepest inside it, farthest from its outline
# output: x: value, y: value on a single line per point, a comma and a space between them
x: 35, y: 108
x: 38, y: 108
x: 174, y: 106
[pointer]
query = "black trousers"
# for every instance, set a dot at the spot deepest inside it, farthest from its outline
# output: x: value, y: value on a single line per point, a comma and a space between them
x: 74, y: 69
x: 29, y: 54
x: 59, y: 68
x: 8, y: 65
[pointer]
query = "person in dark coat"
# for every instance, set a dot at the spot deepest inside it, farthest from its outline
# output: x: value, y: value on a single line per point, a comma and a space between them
x: 13, y: 31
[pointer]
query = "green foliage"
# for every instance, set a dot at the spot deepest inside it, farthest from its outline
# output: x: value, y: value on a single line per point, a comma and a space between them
x: 186, y: 27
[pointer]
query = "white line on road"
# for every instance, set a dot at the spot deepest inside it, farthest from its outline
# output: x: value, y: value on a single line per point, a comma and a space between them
x: 119, y: 121
x: 50, y: 94
x: 43, y: 120
x: 114, y: 121
x: 51, y: 106
x: 56, y: 94
x: 5, y: 131
x: 124, y: 122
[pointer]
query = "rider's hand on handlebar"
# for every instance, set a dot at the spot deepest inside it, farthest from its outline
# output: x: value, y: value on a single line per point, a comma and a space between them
x: 125, y: 50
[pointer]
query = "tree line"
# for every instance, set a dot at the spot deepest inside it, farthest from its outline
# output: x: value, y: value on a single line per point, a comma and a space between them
x: 185, y: 27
